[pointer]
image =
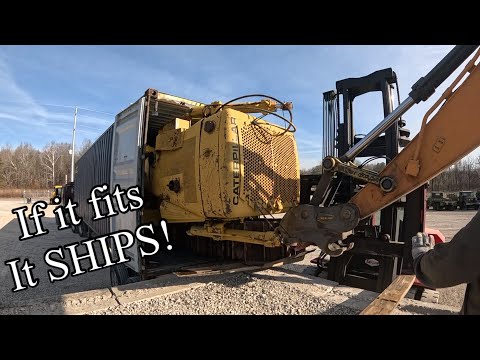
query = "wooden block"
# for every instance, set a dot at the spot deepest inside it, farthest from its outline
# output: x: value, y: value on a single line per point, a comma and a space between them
x: 388, y: 300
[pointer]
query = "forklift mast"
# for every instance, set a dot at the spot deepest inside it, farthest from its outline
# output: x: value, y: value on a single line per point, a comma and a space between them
x: 375, y: 266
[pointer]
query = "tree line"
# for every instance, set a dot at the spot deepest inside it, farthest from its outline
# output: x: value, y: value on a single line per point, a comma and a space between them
x: 26, y: 167
x: 461, y: 176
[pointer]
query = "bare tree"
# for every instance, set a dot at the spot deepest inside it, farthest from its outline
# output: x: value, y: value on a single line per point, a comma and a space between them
x: 469, y: 172
x: 27, y: 167
x: 63, y: 168
x: 9, y: 169
x: 51, y: 154
x: 2, y: 165
x: 316, y: 170
x: 25, y: 156
x: 86, y: 143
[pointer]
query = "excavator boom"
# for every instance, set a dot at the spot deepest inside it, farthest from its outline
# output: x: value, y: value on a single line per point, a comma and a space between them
x: 452, y: 133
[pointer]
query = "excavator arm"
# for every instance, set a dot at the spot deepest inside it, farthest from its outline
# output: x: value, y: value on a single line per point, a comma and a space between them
x: 452, y: 133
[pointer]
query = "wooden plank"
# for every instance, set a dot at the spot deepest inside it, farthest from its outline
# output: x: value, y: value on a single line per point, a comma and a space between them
x: 388, y: 300
x: 379, y: 307
x: 398, y: 288
x: 238, y: 267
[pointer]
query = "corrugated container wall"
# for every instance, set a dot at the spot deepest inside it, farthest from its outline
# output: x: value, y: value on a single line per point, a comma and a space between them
x: 93, y: 169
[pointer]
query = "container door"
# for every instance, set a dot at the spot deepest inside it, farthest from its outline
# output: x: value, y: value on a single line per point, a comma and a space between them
x: 127, y: 152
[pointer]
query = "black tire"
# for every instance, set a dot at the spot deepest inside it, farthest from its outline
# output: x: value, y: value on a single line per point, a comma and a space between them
x: 75, y: 229
x: 67, y: 218
x: 83, y: 230
x: 133, y: 279
x: 119, y: 275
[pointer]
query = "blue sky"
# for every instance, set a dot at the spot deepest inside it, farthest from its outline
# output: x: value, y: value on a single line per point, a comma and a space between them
x: 106, y: 79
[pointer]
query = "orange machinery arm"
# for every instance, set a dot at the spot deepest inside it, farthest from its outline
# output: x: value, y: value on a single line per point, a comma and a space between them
x: 452, y: 133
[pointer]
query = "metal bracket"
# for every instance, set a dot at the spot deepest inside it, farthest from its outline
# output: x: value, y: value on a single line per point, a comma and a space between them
x: 358, y: 173
x: 318, y: 225
x: 332, y: 164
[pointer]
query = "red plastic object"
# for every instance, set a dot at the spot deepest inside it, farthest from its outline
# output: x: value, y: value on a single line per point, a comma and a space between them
x: 437, y: 234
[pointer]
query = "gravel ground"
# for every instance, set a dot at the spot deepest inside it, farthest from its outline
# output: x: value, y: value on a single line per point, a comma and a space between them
x: 240, y: 295
x: 448, y: 222
x: 34, y: 249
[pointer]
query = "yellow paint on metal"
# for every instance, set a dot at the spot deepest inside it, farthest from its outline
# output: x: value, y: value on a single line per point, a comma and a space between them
x: 228, y: 168
x: 219, y: 232
x: 203, y: 111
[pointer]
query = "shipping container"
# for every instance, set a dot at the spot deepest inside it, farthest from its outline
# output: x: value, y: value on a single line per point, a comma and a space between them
x: 91, y: 170
x: 128, y: 155
x: 117, y: 158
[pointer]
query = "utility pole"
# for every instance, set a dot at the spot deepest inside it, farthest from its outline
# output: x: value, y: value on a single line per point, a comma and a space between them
x: 73, y: 144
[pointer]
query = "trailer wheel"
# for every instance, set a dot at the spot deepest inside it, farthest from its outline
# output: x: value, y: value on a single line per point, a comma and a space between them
x: 83, y: 230
x: 133, y: 279
x: 80, y: 230
x: 67, y: 218
x: 119, y: 274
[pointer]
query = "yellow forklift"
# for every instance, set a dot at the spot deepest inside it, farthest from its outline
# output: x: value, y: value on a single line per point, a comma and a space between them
x: 56, y: 193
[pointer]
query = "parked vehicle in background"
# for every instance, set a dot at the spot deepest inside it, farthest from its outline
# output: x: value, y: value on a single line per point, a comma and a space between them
x: 468, y: 200
x: 440, y: 201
